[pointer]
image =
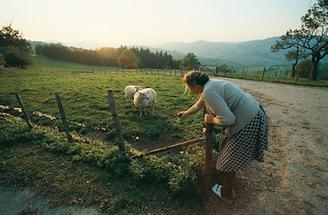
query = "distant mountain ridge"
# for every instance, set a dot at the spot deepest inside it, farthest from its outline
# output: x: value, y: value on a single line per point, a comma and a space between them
x: 251, y: 53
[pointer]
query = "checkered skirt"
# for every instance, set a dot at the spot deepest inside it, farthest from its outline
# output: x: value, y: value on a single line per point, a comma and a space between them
x: 245, y: 146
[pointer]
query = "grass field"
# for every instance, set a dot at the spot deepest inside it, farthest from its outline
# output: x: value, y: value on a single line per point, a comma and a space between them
x: 46, y: 63
x: 84, y: 96
x: 116, y: 185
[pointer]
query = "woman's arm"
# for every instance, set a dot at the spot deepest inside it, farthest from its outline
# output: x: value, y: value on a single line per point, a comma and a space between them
x: 200, y: 104
x: 220, y: 109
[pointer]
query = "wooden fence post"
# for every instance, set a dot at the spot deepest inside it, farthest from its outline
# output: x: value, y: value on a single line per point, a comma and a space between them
x: 209, y: 130
x: 208, y: 153
x: 63, y: 117
x: 117, y: 121
x: 242, y: 71
x: 26, y: 116
x: 263, y: 73
x: 296, y: 79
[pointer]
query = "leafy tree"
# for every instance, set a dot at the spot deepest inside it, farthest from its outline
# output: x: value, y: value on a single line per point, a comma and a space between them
x: 127, y: 59
x: 311, y: 39
x: 15, y: 57
x: 315, y: 25
x: 15, y: 49
x: 190, y: 61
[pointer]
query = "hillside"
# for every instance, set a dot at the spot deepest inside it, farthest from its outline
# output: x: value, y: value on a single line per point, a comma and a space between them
x: 255, y: 52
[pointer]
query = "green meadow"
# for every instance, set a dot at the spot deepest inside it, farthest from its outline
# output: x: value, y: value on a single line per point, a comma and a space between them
x: 84, y: 97
x: 91, y: 171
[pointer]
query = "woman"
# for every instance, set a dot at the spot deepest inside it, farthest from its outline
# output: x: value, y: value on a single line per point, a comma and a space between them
x: 244, y: 120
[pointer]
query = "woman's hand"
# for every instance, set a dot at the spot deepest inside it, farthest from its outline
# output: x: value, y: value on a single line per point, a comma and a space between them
x: 211, y: 119
x: 182, y: 114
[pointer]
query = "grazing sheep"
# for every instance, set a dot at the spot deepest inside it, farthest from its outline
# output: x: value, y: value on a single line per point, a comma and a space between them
x: 130, y: 90
x: 144, y: 100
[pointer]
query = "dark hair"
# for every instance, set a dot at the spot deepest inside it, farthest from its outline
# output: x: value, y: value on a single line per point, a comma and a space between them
x: 193, y: 78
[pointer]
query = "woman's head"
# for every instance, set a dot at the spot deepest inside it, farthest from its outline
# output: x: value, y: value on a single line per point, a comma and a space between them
x: 195, y: 81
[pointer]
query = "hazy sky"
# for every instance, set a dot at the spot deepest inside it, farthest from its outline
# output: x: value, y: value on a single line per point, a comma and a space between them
x: 150, y: 22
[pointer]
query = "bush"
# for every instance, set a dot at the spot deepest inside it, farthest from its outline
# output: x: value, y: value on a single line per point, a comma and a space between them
x: 16, y: 58
x: 15, y: 50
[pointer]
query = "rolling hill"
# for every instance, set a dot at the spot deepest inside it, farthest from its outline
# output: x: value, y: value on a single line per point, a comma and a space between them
x: 255, y: 52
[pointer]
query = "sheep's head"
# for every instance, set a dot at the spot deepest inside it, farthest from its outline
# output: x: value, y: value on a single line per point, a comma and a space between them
x: 143, y: 95
x: 141, y: 99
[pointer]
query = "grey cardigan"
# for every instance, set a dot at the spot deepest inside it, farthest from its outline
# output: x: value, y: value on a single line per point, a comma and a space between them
x: 232, y: 106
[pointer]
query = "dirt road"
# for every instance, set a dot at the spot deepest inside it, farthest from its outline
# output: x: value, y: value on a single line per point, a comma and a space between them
x: 294, y: 177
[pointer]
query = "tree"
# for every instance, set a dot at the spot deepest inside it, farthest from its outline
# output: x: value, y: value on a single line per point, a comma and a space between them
x: 291, y: 40
x: 190, y: 61
x: 15, y: 49
x: 315, y: 25
x: 127, y: 59
x: 311, y: 39
x: 15, y: 57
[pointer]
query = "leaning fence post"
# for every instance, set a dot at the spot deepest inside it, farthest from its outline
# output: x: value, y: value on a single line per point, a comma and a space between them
x: 296, y: 79
x: 26, y: 116
x: 117, y: 121
x: 208, y: 152
x: 63, y: 117
x: 242, y: 71
x: 209, y: 130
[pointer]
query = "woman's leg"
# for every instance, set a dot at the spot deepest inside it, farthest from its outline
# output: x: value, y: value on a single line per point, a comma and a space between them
x: 227, y: 185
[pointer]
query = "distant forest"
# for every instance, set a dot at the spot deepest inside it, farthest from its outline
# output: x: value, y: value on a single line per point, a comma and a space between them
x: 117, y: 57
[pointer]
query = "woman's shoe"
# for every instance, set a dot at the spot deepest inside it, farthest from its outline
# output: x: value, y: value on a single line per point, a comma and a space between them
x: 217, y: 191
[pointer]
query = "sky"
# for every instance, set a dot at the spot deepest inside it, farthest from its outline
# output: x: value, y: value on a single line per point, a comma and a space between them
x: 111, y: 23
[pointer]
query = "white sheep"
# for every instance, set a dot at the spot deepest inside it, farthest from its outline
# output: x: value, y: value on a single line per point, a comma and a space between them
x: 130, y: 90
x: 144, y: 100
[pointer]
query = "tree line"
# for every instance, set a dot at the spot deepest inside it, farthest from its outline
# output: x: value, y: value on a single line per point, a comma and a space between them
x: 123, y: 56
